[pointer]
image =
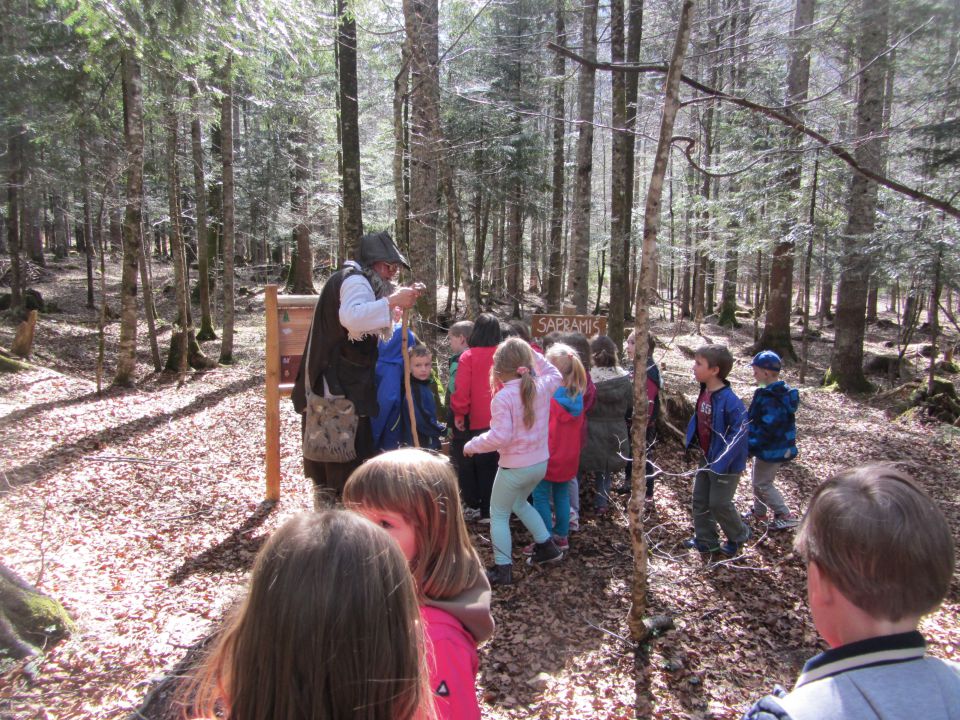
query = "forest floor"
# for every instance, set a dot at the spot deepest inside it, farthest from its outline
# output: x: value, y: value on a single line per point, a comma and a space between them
x: 141, y: 510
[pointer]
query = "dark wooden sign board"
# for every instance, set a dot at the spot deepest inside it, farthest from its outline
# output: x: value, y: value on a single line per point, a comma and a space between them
x: 589, y: 325
x: 287, y: 324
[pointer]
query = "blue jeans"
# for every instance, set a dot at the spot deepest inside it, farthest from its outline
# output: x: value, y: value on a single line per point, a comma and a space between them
x: 511, y: 487
x: 560, y: 493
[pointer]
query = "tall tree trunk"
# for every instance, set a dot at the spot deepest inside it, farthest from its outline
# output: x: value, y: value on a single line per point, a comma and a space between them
x: 401, y: 225
x: 349, y: 126
x: 421, y: 22
x: 182, y: 338
x: 621, y: 178
x: 646, y: 296
x: 458, y: 240
x: 203, y: 242
x: 302, y: 268
x: 132, y: 225
x: 555, y: 244
x: 776, y: 327
x: 14, y: 188
x: 514, y: 246
x: 87, y: 216
x: 580, y: 240
x: 226, y: 151
x: 846, y: 363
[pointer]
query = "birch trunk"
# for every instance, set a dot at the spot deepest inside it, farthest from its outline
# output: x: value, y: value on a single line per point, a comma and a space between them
x: 646, y: 296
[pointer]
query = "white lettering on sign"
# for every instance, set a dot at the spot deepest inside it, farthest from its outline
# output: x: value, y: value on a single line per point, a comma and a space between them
x: 589, y: 325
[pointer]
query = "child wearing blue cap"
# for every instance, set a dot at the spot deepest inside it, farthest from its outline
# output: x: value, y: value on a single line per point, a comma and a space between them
x: 772, y: 439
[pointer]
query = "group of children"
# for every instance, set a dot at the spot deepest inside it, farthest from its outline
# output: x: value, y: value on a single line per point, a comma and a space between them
x: 377, y: 611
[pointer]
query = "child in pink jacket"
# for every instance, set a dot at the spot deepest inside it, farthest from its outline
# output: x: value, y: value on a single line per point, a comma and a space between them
x: 413, y: 495
x: 519, y: 426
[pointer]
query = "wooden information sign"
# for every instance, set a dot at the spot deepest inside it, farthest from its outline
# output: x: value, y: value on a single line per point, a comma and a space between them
x: 288, y: 321
x: 589, y: 325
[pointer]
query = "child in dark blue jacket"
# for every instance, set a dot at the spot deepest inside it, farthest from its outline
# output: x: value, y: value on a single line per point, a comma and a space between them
x: 429, y: 430
x: 718, y: 428
x: 772, y: 439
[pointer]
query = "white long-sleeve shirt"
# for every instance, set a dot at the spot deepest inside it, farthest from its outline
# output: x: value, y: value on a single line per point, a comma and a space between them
x: 360, y: 311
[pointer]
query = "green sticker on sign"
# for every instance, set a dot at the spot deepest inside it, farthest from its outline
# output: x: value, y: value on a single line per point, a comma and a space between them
x: 286, y: 316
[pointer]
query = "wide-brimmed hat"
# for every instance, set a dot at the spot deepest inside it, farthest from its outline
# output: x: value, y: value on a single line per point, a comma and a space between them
x: 766, y: 360
x: 379, y: 247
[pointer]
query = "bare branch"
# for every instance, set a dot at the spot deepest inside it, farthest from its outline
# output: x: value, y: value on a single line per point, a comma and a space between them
x: 781, y: 115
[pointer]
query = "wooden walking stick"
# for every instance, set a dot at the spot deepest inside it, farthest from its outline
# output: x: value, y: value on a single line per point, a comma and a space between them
x: 406, y: 377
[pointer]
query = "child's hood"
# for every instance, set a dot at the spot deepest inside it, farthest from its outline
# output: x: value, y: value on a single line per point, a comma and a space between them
x: 471, y: 608
x: 788, y: 396
x: 573, y: 404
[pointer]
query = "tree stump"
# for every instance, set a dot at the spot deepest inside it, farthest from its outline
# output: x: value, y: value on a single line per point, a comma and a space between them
x: 29, y: 620
x: 23, y: 342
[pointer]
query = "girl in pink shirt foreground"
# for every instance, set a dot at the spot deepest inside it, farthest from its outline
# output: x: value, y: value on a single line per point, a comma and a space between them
x: 519, y: 429
x: 413, y: 495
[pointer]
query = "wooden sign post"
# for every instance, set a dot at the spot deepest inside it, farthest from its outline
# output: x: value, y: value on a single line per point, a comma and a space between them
x: 288, y: 320
x: 589, y: 325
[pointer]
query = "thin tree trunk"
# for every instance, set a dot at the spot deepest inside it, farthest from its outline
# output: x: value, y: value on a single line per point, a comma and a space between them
x: 933, y: 318
x: 178, y: 359
x: 14, y: 187
x: 226, y: 152
x: 811, y: 219
x: 400, y: 147
x: 555, y: 243
x: 580, y: 235
x: 203, y: 243
x: 87, y: 217
x: 349, y: 125
x: 302, y: 268
x: 646, y: 296
x: 132, y: 227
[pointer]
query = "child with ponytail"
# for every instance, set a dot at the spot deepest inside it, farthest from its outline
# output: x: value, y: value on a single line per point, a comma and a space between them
x: 566, y: 421
x: 413, y: 495
x: 519, y: 422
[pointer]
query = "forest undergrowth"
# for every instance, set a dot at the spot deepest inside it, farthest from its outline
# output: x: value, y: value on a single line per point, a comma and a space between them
x: 141, y: 510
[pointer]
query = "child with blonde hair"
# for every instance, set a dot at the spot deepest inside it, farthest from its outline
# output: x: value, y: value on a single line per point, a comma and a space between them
x: 519, y: 423
x: 329, y: 628
x: 566, y: 420
x: 412, y: 494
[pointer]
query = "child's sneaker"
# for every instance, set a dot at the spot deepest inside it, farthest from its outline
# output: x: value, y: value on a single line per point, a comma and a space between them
x: 562, y: 543
x: 544, y: 553
x: 731, y: 549
x: 471, y: 514
x: 574, y: 524
x: 784, y: 522
x: 700, y: 546
x: 528, y: 549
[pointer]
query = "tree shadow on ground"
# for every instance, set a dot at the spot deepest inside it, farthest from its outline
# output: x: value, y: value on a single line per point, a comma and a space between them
x: 28, y: 412
x: 68, y: 453
x: 235, y: 552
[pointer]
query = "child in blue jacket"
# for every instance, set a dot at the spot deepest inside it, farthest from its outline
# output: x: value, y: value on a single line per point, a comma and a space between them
x: 429, y: 429
x: 772, y: 439
x: 718, y: 428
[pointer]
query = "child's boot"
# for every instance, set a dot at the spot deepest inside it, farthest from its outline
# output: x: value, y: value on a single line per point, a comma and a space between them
x: 545, y: 552
x: 500, y: 575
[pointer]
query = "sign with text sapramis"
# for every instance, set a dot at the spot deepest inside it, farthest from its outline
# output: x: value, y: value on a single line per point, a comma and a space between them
x: 589, y: 325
